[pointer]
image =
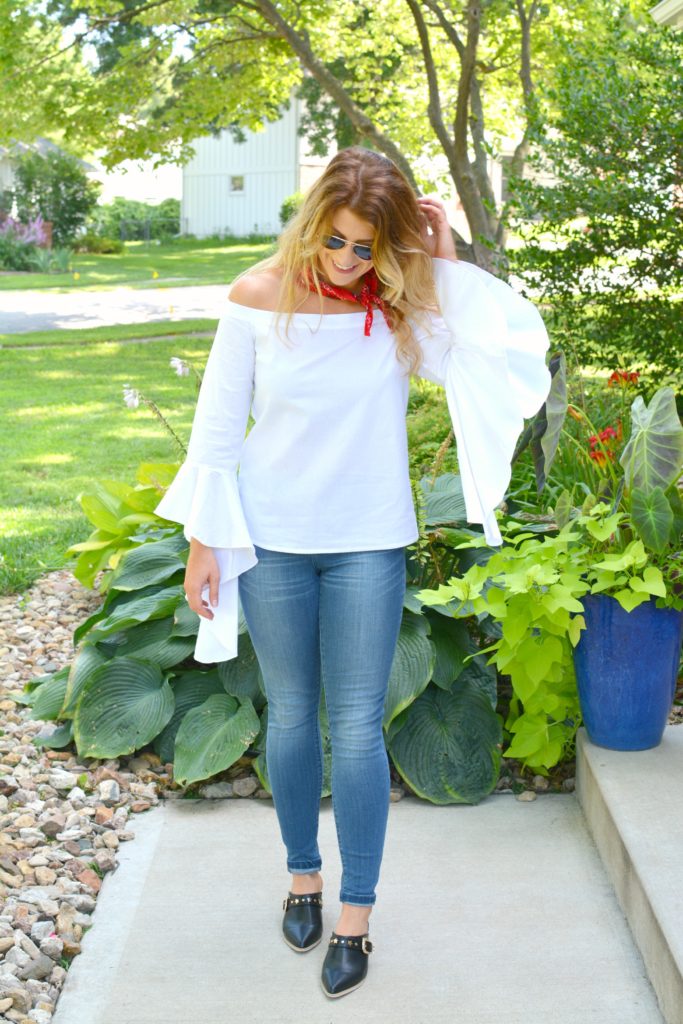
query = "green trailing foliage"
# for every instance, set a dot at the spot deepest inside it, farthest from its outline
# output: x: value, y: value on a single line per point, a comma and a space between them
x: 626, y: 542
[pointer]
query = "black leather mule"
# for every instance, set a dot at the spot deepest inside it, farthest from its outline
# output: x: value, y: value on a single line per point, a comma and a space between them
x: 302, y: 925
x: 346, y: 964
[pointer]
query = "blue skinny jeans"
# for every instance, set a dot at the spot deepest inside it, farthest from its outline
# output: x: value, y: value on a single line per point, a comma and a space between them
x: 330, y: 620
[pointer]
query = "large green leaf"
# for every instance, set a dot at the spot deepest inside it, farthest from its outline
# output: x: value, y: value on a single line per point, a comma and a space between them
x: 125, y: 704
x: 652, y: 517
x: 653, y: 456
x: 412, y: 666
x: 88, y: 658
x: 185, y: 621
x: 151, y: 641
x: 113, y: 599
x: 158, y: 475
x: 48, y: 699
x: 241, y: 676
x: 57, y: 740
x: 151, y: 606
x: 94, y: 556
x: 444, y: 500
x: 150, y: 563
x: 676, y: 504
x: 448, y: 748
x: 544, y: 430
x: 190, y: 689
x: 482, y: 676
x: 451, y: 642
x: 213, y: 736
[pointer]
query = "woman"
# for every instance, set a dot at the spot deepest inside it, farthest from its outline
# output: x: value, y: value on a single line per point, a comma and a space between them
x: 312, y: 538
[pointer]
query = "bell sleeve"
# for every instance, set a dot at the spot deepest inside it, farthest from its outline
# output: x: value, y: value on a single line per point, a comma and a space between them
x: 488, y: 351
x: 204, y: 495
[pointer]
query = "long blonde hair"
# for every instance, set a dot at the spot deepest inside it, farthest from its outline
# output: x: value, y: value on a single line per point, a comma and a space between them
x: 372, y: 187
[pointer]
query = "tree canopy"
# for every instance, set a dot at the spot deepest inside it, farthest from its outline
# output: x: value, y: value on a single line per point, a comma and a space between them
x: 437, y: 85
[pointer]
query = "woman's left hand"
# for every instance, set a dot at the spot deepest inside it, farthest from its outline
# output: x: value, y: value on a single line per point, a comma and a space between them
x: 440, y: 243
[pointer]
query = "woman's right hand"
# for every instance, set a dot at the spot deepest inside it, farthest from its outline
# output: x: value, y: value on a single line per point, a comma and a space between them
x: 201, y: 570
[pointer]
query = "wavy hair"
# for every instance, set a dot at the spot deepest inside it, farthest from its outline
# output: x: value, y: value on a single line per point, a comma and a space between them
x: 372, y: 187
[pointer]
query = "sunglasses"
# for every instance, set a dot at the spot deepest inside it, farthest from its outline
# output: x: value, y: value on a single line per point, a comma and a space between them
x: 363, y: 252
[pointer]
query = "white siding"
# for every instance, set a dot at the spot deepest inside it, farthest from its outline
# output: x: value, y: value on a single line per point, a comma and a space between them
x: 268, y: 161
x: 6, y: 174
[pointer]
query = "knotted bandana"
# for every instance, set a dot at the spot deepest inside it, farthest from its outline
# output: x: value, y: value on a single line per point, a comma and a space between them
x: 368, y: 296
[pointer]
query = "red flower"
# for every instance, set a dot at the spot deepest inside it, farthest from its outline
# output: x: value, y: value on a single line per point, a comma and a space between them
x: 607, y: 433
x: 623, y: 378
x: 600, y: 456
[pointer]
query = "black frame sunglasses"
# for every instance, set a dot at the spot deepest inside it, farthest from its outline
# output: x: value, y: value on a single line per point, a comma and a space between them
x: 363, y: 252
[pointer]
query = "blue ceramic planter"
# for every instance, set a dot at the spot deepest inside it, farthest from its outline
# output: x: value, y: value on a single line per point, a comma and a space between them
x: 626, y: 667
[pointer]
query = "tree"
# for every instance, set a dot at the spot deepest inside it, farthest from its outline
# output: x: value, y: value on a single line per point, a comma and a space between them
x: 56, y: 187
x: 412, y: 79
x: 609, y: 198
x: 416, y: 79
x: 42, y: 77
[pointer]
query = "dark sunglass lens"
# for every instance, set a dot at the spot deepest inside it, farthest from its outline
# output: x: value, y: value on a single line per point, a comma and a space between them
x: 363, y: 252
x: 332, y: 242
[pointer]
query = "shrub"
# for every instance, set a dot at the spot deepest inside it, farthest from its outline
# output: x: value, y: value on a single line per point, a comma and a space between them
x: 289, y: 207
x: 601, y: 219
x: 15, y: 254
x: 19, y: 242
x: 134, y: 220
x: 57, y: 188
x: 91, y: 242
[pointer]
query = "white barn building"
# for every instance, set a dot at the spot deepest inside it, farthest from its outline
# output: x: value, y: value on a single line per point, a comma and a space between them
x: 236, y: 188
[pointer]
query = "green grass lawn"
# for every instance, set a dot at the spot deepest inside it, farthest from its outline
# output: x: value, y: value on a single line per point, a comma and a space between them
x: 65, y: 424
x: 119, y: 332
x: 177, y: 263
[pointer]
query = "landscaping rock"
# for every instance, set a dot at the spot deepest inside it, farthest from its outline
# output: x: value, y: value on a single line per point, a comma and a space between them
x: 246, y: 786
x: 216, y: 791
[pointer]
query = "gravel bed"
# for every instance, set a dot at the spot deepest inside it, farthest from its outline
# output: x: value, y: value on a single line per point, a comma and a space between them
x: 62, y: 818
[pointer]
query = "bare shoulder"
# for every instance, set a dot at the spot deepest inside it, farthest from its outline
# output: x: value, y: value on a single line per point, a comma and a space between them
x: 259, y: 290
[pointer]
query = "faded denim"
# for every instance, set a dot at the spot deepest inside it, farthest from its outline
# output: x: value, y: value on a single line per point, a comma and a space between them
x: 331, y: 620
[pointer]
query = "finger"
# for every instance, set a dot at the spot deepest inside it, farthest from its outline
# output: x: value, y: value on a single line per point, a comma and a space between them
x: 214, y: 580
x: 198, y: 606
x: 429, y: 201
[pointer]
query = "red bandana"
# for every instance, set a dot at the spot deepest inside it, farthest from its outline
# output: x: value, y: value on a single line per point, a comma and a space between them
x: 368, y: 296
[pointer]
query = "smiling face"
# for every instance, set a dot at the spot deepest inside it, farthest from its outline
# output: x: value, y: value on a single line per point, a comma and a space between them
x: 342, y: 266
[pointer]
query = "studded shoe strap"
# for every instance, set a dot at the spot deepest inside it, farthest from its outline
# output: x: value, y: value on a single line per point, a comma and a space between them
x: 313, y: 899
x: 361, y: 942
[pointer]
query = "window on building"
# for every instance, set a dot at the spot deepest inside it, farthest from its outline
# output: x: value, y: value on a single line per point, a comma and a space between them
x: 237, y: 183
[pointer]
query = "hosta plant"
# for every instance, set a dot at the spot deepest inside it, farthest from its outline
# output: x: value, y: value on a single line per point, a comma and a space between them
x: 133, y: 681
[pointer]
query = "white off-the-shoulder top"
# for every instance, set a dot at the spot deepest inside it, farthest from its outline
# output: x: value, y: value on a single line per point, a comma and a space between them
x: 325, y: 465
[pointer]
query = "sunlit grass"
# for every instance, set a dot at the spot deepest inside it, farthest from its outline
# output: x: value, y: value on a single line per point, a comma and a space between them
x: 67, y: 426
x: 178, y: 263
x: 119, y: 332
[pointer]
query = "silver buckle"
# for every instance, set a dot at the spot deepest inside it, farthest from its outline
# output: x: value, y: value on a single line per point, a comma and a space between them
x: 365, y: 944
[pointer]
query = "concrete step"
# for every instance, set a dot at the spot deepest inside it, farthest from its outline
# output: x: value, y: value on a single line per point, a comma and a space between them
x: 633, y: 806
x: 499, y: 912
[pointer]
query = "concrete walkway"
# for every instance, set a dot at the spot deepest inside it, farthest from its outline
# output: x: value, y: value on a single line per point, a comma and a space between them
x: 496, y: 913
x: 43, y: 311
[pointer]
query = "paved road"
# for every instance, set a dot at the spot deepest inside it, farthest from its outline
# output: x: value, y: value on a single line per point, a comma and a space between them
x: 24, y: 311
